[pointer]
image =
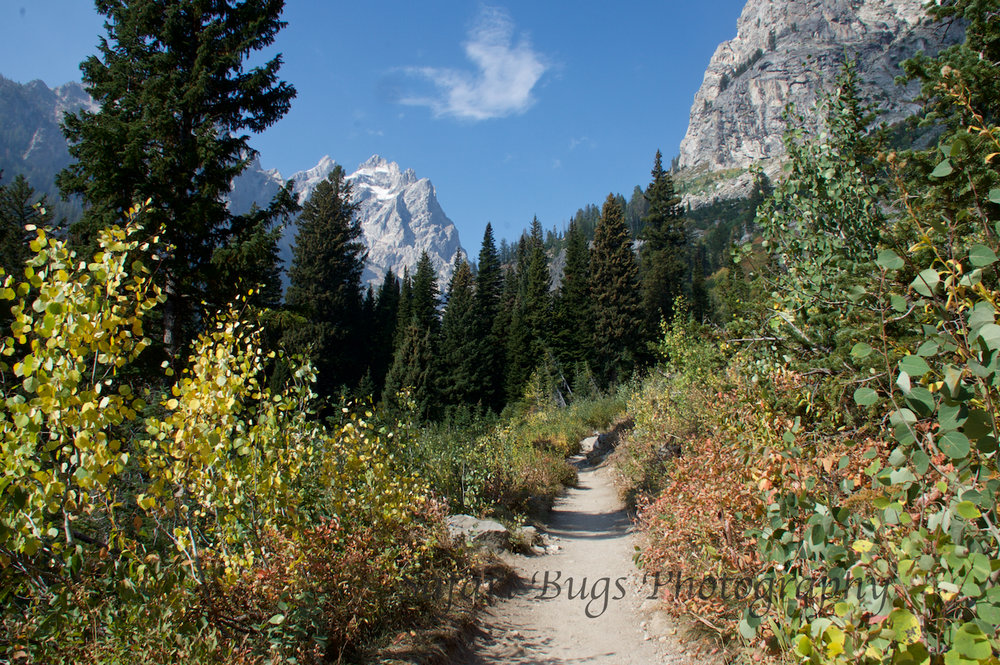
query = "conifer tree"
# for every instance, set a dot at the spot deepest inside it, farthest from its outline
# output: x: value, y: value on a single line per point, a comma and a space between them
x: 414, y: 363
x: 488, y: 353
x: 17, y: 210
x: 537, y: 297
x: 404, y: 310
x: 176, y: 103
x: 530, y: 319
x: 664, y: 251
x: 325, y: 284
x: 615, y: 295
x: 700, y: 305
x: 413, y: 369
x: 573, y: 336
x: 459, y: 341
x: 424, y: 296
x: 384, y: 329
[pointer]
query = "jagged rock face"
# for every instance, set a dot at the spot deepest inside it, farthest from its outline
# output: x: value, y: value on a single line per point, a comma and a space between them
x: 399, y: 213
x: 401, y: 218
x: 787, y: 51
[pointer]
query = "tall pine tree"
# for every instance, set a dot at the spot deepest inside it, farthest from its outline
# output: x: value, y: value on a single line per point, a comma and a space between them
x: 176, y: 103
x: 17, y: 210
x: 530, y: 320
x: 615, y: 293
x: 664, y: 251
x: 328, y: 258
x: 459, y: 341
x: 488, y: 352
x: 573, y: 335
x: 414, y: 363
x: 384, y: 330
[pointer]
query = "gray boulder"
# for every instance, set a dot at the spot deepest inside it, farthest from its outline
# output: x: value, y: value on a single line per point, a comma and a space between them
x: 488, y: 534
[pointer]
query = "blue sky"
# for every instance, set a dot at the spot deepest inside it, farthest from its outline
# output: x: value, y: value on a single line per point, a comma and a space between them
x: 512, y: 109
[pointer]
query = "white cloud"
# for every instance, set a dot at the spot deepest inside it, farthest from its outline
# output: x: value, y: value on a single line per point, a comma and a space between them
x: 501, y: 84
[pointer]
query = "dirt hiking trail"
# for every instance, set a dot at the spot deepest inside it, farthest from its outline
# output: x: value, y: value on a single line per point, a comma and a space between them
x: 590, y: 571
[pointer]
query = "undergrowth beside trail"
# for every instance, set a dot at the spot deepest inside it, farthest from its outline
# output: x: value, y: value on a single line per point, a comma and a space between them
x: 515, y: 466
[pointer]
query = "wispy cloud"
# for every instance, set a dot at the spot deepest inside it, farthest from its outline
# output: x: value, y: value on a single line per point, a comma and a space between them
x: 500, y: 85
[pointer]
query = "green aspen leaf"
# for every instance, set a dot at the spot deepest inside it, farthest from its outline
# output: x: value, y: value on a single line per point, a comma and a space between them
x: 978, y: 424
x: 981, y: 315
x: 900, y: 476
x: 944, y: 168
x: 903, y: 382
x: 988, y: 612
x: 990, y: 334
x: 889, y: 260
x: 865, y: 396
x: 902, y: 417
x: 954, y: 444
x: 915, y: 366
x: 925, y: 282
x: 995, y: 195
x: 861, y: 350
x: 928, y: 348
x: 953, y: 657
x: 951, y: 417
x: 968, y: 510
x: 981, y: 256
x: 970, y: 642
x: 987, y: 445
x: 905, y: 625
x: 277, y: 619
x: 898, y: 302
x: 920, y: 400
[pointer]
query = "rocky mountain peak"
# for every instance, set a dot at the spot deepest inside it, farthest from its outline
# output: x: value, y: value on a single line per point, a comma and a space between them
x: 787, y: 51
x: 399, y: 212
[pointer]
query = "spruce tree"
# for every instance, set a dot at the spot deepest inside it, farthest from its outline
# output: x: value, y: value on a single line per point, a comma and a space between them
x: 573, y: 333
x: 459, y: 342
x: 414, y: 363
x: 537, y: 296
x: 424, y: 297
x: 325, y: 284
x: 615, y: 294
x: 664, y: 251
x: 384, y: 329
x: 17, y: 210
x: 413, y: 369
x: 488, y: 353
x: 404, y: 309
x: 176, y: 105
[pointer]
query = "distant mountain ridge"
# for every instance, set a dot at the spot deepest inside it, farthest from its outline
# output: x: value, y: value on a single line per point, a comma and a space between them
x: 399, y: 213
x: 31, y: 142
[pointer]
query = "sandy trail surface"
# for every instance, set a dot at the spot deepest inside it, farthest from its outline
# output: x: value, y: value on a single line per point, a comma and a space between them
x: 584, y: 601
